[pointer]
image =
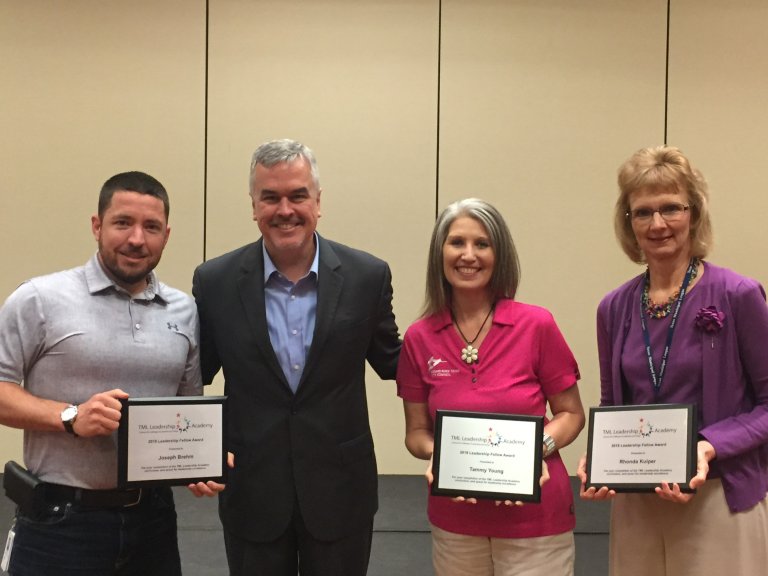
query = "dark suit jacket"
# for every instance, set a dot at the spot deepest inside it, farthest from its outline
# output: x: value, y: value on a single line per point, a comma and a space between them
x: 314, y: 446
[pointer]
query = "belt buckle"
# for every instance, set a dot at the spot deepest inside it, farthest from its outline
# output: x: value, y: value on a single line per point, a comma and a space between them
x: 139, y: 494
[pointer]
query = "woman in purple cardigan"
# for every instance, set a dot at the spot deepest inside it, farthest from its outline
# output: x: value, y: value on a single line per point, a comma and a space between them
x: 711, y: 326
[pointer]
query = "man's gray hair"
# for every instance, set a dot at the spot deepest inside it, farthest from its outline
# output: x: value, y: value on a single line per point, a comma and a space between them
x: 285, y: 150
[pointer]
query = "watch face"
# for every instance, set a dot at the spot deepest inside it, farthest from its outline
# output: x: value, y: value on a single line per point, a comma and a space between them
x: 69, y: 413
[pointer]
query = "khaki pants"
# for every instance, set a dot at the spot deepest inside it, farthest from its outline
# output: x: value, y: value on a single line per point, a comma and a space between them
x: 460, y: 555
x: 654, y: 537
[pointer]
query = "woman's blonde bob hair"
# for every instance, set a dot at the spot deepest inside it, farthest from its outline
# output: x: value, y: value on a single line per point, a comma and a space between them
x: 506, y: 269
x: 663, y: 169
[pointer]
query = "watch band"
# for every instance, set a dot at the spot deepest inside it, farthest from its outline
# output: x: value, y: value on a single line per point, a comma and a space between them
x: 69, y: 428
x: 68, y: 417
x: 549, y: 445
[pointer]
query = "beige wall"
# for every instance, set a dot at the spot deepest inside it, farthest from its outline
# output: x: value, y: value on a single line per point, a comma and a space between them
x: 89, y: 89
x: 718, y: 114
x: 408, y: 104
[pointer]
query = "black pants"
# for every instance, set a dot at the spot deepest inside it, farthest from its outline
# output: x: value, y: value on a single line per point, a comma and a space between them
x: 296, y: 551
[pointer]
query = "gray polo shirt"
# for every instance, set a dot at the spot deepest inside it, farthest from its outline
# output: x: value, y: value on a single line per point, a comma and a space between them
x: 71, y: 334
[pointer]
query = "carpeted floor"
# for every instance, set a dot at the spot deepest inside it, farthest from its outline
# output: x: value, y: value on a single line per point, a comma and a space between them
x: 401, y: 541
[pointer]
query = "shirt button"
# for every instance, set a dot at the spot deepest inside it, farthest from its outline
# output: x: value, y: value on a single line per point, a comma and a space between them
x: 138, y: 326
x: 294, y: 332
x: 474, y: 380
x: 295, y: 366
x: 293, y: 296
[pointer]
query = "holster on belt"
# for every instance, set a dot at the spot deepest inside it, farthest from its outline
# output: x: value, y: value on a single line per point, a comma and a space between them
x: 23, y: 487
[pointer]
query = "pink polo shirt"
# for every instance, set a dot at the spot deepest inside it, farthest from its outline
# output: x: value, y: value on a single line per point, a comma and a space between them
x: 523, y: 360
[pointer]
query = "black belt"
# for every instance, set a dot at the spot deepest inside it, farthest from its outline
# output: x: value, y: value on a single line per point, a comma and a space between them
x: 57, y: 493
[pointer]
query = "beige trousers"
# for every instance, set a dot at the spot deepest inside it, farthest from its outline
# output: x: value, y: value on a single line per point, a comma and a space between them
x: 654, y: 537
x: 460, y: 555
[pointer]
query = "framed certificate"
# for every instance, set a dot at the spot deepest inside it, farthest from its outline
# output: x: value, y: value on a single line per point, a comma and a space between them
x: 491, y: 456
x: 172, y: 441
x: 636, y: 448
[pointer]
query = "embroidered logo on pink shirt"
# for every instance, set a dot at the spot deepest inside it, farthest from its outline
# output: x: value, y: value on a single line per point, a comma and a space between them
x: 435, y: 372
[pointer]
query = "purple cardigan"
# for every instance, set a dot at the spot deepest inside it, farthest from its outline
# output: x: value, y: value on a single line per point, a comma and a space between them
x: 734, y: 374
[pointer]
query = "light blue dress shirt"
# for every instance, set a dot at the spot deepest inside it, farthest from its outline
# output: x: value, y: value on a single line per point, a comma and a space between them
x: 291, y: 309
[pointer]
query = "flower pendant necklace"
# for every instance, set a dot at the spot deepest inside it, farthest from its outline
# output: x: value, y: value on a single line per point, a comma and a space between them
x: 469, y: 354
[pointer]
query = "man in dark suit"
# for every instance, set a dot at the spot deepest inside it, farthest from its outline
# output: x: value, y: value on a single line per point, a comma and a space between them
x: 291, y: 319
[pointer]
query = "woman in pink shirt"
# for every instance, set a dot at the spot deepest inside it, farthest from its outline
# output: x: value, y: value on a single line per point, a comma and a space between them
x: 475, y: 348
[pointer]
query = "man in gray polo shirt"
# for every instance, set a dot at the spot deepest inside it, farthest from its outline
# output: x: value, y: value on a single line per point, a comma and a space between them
x: 72, y: 344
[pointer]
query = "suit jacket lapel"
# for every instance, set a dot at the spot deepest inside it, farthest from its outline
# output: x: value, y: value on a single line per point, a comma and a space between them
x: 330, y: 282
x: 251, y: 287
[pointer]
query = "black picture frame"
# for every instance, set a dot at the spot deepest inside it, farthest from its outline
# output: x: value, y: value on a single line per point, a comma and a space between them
x: 503, y: 455
x: 637, y: 437
x: 182, y: 438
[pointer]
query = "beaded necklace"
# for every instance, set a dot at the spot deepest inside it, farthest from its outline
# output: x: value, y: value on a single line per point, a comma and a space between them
x: 662, y: 310
x: 656, y: 379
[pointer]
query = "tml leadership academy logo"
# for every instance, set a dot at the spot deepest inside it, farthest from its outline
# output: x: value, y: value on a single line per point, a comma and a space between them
x: 182, y: 423
x: 494, y: 438
x: 646, y: 428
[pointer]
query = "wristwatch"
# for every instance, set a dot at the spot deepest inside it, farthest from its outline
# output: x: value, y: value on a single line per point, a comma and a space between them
x: 549, y: 445
x: 68, y: 417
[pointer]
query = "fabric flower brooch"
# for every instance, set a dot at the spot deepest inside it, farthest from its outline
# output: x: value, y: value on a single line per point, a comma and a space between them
x: 710, y: 321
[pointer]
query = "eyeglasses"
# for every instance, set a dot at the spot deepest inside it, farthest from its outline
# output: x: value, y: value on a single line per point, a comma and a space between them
x: 668, y: 212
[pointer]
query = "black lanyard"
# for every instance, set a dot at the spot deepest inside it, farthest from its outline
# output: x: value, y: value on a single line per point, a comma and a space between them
x: 656, y: 380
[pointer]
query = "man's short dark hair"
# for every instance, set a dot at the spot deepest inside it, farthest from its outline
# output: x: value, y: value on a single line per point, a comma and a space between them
x: 132, y: 182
